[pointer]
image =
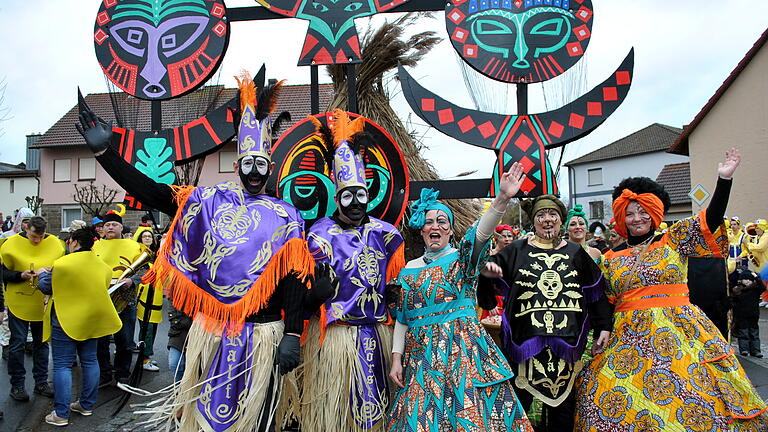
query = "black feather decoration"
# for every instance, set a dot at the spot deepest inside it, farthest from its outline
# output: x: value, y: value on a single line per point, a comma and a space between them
x: 325, y: 141
x: 266, y: 99
x: 360, y: 142
x: 283, y: 117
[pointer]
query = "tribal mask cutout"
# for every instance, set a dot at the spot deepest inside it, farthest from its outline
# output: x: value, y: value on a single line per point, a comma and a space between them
x: 520, y: 41
x: 304, y: 179
x: 160, y: 49
x: 332, y: 36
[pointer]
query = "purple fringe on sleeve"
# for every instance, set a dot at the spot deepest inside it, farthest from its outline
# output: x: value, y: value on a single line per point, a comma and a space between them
x: 594, y: 292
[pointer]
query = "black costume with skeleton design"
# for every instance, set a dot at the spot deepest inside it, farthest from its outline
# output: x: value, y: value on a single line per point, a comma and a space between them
x: 555, y: 297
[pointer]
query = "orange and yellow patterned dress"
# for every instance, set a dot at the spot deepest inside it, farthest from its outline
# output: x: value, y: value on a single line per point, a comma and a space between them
x: 666, y: 367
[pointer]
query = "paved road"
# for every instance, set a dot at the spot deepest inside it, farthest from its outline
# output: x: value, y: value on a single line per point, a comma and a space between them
x: 28, y: 416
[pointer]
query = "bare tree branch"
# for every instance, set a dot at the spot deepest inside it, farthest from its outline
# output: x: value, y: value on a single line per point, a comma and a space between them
x: 94, y: 200
x: 4, y: 110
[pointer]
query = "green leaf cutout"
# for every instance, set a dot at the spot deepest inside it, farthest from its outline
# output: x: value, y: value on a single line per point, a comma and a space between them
x: 154, y: 161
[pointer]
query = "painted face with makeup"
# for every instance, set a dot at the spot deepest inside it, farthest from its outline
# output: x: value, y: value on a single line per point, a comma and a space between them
x: 353, y: 203
x: 577, y: 229
x: 638, y: 220
x: 437, y: 230
x: 254, y: 172
x: 547, y: 223
x: 504, y: 238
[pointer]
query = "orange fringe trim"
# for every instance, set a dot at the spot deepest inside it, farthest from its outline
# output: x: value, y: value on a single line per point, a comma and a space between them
x: 294, y: 257
x: 323, y: 323
x: 396, y: 263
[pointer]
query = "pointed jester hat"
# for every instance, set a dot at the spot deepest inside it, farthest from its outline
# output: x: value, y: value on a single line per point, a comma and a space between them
x: 344, y: 143
x: 254, y: 133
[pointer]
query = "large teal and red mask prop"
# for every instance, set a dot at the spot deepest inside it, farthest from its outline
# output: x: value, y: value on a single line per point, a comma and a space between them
x: 520, y: 41
x: 160, y: 49
x: 332, y: 36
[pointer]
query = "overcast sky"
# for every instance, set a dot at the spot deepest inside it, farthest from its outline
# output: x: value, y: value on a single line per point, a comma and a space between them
x: 684, y: 49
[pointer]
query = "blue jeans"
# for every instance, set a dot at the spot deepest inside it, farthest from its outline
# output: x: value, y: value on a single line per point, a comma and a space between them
x: 176, y: 359
x: 749, y: 339
x: 16, y: 370
x: 64, y: 349
x: 123, y: 345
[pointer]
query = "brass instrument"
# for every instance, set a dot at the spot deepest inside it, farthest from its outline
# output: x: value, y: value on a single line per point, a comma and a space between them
x: 122, y: 293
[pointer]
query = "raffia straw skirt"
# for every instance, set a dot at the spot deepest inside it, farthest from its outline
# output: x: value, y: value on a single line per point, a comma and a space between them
x: 193, y: 391
x: 331, y: 373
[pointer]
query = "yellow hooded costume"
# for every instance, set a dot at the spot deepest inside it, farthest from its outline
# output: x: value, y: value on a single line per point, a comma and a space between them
x: 80, y: 298
x: 19, y: 254
x: 759, y: 249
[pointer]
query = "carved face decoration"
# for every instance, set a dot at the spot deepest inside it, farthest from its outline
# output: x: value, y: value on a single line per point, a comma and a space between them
x: 304, y: 180
x: 520, y: 40
x: 550, y: 284
x: 332, y: 36
x: 159, y: 49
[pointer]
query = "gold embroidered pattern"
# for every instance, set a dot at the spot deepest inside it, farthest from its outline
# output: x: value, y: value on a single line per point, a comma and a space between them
x: 213, y: 253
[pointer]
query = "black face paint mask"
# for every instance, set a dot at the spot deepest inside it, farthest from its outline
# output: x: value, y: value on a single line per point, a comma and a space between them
x: 353, y: 203
x: 253, y: 180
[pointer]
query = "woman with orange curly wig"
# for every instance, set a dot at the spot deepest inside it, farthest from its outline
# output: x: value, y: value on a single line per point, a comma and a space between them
x: 666, y: 366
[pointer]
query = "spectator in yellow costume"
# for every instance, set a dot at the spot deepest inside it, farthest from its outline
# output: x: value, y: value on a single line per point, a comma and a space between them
x: 78, y: 314
x: 22, y: 254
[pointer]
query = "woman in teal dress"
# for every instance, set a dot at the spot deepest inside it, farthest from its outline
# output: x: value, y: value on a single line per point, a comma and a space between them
x: 451, y: 374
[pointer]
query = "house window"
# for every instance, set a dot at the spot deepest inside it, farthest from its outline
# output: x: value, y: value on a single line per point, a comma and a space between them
x: 594, y: 177
x: 61, y: 170
x: 225, y: 161
x: 596, y: 210
x: 13, y: 186
x: 86, y: 169
x: 68, y: 214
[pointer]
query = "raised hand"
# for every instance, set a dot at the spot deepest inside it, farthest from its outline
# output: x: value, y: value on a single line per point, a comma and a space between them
x: 324, y: 284
x: 492, y: 270
x: 726, y: 168
x: 96, y: 133
x: 511, y: 181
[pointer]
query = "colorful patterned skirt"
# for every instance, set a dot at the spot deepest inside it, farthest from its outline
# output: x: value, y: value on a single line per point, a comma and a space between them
x: 667, y: 369
x: 455, y: 380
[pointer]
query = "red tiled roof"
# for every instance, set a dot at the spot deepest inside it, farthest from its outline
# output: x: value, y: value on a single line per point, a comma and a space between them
x: 681, y: 144
x: 676, y: 179
x: 136, y: 112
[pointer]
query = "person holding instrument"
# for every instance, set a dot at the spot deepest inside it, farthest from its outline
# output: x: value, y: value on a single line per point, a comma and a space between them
x: 119, y: 253
x: 21, y: 255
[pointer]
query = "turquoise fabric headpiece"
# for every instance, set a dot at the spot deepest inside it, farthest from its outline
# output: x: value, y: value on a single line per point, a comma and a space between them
x: 427, y: 201
x: 577, y: 210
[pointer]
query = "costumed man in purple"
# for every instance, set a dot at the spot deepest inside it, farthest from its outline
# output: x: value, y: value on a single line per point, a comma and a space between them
x: 344, y: 386
x: 236, y: 260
